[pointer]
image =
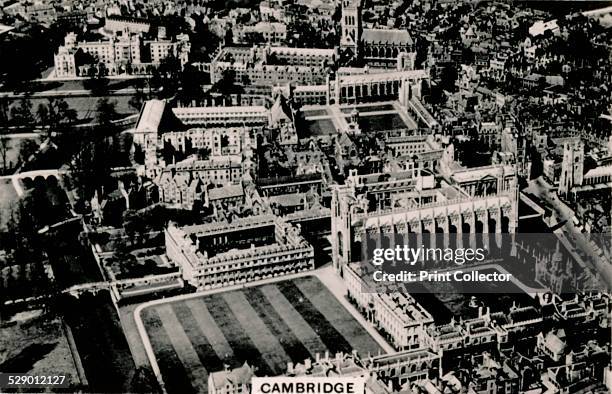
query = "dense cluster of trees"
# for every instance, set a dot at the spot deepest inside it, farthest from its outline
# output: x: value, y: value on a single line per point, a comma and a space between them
x: 90, y: 150
x: 53, y: 115
x: 303, y: 33
x: 27, y: 54
x: 227, y: 84
x: 97, y: 81
x: 87, y: 151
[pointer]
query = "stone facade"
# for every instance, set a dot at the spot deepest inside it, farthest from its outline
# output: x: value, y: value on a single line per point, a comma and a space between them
x: 248, y: 249
x: 128, y: 53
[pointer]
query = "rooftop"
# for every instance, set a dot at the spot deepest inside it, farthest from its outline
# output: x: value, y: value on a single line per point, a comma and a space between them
x: 233, y: 377
x: 227, y: 191
x: 150, y: 116
x: 236, y: 225
x: 387, y: 36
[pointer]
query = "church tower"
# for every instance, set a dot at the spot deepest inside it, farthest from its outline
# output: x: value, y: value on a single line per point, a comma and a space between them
x: 351, y: 26
x: 572, y: 167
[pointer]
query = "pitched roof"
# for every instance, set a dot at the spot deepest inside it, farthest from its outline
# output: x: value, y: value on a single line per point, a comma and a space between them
x: 227, y: 191
x: 234, y: 377
x: 287, y: 200
x: 554, y: 341
x: 156, y: 116
x: 195, y: 182
x: 345, y: 140
x: 182, y: 179
x: 150, y: 116
x: 387, y: 36
x: 280, y: 110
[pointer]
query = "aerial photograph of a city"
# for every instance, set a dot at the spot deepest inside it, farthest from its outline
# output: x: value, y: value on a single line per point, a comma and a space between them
x: 306, y: 196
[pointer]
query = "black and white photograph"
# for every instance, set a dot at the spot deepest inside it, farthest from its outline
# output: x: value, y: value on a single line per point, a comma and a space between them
x: 306, y: 196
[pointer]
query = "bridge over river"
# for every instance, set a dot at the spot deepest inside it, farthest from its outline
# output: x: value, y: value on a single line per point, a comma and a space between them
x: 32, y: 175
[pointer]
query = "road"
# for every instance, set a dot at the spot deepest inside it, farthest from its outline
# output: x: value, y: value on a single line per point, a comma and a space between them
x: 584, y: 251
x: 66, y: 93
x: 22, y: 135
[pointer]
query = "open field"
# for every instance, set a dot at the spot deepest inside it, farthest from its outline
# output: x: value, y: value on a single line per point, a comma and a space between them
x: 37, y: 345
x: 267, y: 326
x: 85, y: 106
x: 100, y: 341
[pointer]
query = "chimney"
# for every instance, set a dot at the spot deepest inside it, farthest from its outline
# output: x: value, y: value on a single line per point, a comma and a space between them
x: 308, y: 363
x: 289, y: 367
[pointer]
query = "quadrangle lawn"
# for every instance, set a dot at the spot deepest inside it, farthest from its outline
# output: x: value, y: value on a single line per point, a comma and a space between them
x: 266, y: 326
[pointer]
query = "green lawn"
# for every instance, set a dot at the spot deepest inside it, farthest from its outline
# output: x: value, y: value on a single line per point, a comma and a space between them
x: 37, y: 346
x: 267, y: 326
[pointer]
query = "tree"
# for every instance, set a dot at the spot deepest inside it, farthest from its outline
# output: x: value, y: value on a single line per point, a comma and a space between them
x: 23, y: 225
x: 253, y: 37
x: 203, y: 153
x: 192, y: 80
x: 106, y: 112
x: 144, y: 381
x: 60, y: 112
x: 22, y: 113
x: 169, y: 75
x: 139, y: 96
x: 154, y: 80
x: 226, y: 85
x: 139, y: 155
x: 42, y: 113
x: 229, y: 37
x: 91, y: 152
x: 4, y: 149
x: 89, y: 167
x: 169, y: 153
x: 132, y: 225
x: 27, y: 148
x: 203, y: 42
x: 4, y: 113
x: 173, y: 23
x: 57, y: 114
x: 537, y: 166
x: 137, y: 100
x: 97, y: 82
x: 23, y: 55
x: 448, y: 76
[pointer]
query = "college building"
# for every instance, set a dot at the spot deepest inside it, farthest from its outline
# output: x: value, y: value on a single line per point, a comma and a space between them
x: 126, y: 53
x: 252, y: 248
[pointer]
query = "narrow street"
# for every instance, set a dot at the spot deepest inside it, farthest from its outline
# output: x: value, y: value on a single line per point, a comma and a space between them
x: 582, y: 249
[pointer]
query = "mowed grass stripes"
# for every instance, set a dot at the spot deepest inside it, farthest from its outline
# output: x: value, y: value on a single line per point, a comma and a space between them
x: 266, y: 326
